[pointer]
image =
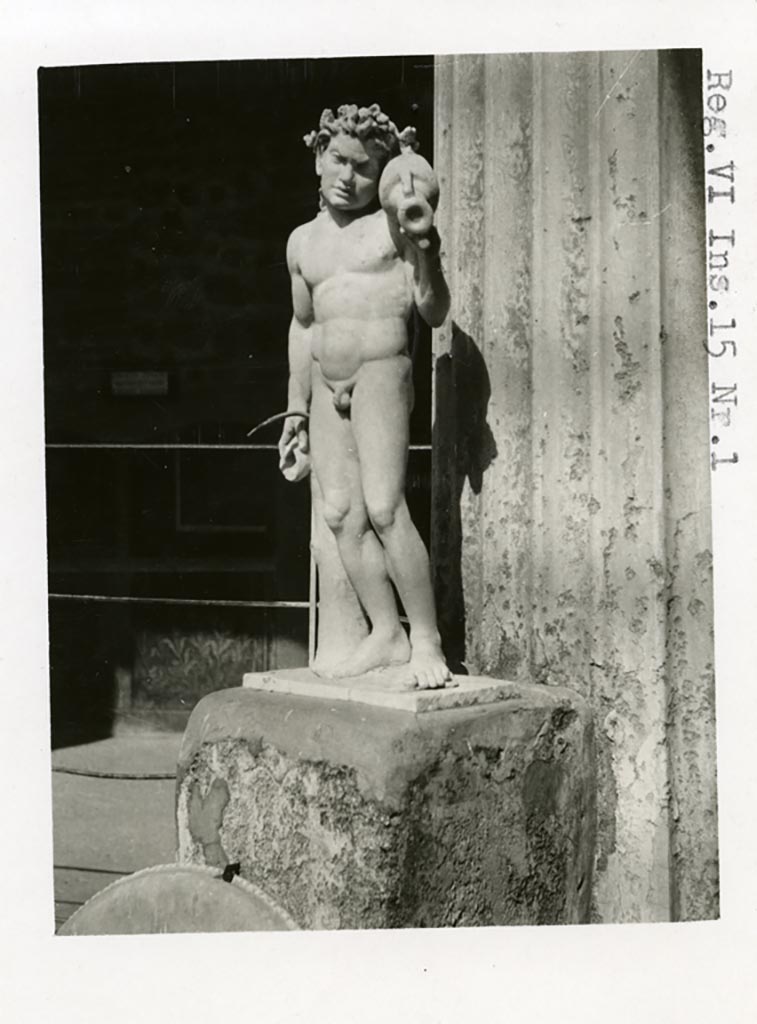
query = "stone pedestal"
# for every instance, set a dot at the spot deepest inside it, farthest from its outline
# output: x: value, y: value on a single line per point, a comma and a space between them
x: 475, y: 807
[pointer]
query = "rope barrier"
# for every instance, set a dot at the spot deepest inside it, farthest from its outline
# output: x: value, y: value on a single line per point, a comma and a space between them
x: 198, y: 602
x: 143, y: 777
x: 166, y: 447
x: 171, y: 447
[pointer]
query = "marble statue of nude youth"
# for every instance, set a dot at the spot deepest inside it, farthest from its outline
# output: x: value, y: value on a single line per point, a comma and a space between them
x: 355, y: 275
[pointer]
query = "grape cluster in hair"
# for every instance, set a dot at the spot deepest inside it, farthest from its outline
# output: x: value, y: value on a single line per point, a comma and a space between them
x: 363, y: 123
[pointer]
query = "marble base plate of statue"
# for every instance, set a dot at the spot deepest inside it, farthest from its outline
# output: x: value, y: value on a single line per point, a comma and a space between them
x: 385, y: 689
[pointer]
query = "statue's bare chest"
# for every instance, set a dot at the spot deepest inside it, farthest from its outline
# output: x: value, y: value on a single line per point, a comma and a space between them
x: 364, y: 246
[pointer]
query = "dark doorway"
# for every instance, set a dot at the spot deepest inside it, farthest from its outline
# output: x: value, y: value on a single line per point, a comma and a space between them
x: 167, y: 194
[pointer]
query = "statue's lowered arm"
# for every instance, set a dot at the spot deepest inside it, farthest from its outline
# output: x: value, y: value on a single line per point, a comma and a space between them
x: 293, y: 445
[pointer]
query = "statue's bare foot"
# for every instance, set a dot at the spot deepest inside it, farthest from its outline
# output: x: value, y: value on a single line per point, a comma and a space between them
x: 378, y: 650
x: 427, y: 669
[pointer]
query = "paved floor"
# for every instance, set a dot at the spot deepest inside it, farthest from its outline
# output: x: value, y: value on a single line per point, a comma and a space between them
x: 104, y: 827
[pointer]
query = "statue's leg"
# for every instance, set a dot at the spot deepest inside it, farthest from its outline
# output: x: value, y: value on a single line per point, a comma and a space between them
x: 336, y: 466
x: 381, y: 404
x: 342, y: 623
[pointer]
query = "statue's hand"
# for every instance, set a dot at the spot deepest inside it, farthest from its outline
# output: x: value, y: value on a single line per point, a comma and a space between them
x: 294, y: 429
x: 294, y: 446
x: 427, y: 245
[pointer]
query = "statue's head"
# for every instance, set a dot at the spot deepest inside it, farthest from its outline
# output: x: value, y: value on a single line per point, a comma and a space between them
x: 351, y: 149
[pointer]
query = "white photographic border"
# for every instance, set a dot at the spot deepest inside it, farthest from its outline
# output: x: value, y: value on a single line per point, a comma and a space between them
x: 666, y: 973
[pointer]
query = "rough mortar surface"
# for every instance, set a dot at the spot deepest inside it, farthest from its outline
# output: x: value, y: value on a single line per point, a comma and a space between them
x: 356, y: 816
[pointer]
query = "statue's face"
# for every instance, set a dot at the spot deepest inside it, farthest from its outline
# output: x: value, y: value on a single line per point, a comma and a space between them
x: 349, y: 171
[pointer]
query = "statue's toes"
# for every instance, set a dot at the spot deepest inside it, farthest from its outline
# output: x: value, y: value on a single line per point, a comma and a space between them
x: 439, y: 680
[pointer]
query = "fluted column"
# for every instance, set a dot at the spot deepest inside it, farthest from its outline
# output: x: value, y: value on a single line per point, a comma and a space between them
x: 571, y: 480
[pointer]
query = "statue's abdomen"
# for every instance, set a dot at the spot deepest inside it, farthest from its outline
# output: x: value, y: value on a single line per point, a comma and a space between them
x: 359, y: 317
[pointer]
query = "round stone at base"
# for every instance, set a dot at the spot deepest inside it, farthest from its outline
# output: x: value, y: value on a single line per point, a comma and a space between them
x: 175, y: 898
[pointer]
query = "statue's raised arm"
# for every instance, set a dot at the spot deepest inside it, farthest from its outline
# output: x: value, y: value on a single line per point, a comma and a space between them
x: 409, y: 194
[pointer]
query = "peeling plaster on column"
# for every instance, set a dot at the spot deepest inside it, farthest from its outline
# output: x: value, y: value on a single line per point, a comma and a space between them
x: 569, y: 259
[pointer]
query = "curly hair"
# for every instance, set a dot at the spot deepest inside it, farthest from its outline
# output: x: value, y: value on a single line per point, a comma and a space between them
x: 363, y: 123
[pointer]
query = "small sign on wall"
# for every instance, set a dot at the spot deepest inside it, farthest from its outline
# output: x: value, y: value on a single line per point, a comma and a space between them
x: 138, y: 382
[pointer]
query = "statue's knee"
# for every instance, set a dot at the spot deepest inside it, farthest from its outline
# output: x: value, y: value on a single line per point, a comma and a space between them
x: 382, y: 515
x: 335, y: 511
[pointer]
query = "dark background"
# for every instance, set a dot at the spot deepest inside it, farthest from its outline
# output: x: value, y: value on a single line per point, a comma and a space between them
x: 168, y: 192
